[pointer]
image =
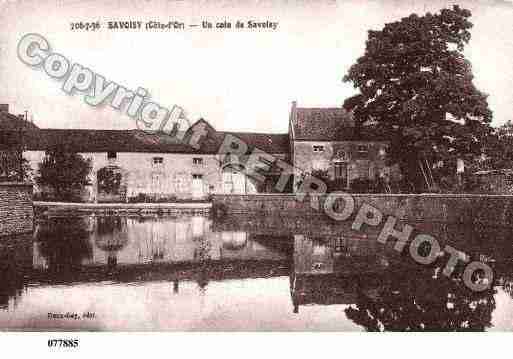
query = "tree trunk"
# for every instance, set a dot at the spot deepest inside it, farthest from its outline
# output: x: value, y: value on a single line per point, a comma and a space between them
x: 414, y: 180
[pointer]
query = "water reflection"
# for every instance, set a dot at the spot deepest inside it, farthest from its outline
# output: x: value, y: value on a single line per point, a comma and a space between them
x: 189, y: 273
x: 333, y: 270
x: 62, y: 245
x: 111, y: 237
x: 419, y: 300
x: 112, y: 241
x: 384, y: 293
x: 15, y: 260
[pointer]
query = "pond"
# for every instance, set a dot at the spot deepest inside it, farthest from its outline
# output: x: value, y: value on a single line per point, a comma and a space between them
x: 192, y: 273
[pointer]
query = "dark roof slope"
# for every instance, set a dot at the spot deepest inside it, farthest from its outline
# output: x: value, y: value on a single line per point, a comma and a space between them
x: 9, y: 122
x: 267, y: 142
x: 104, y: 141
x: 139, y: 141
x: 330, y: 124
x: 322, y: 124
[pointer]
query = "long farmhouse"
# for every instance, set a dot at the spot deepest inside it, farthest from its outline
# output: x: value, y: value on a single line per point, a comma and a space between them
x: 319, y: 139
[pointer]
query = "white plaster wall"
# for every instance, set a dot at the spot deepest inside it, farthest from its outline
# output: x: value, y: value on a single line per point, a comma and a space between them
x: 173, y: 177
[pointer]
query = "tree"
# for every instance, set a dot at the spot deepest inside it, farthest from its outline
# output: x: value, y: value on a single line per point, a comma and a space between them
x: 64, y: 171
x: 415, y: 86
x: 13, y: 167
x: 109, y: 180
x: 498, y: 151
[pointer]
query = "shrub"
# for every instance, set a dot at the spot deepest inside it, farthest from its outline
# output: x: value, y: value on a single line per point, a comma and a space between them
x: 65, y: 172
x: 151, y: 198
x: 363, y: 185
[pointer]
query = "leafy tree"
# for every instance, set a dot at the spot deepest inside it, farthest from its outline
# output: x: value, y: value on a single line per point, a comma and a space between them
x: 416, y: 87
x: 64, y: 171
x: 13, y: 167
x: 498, y: 151
x: 109, y: 180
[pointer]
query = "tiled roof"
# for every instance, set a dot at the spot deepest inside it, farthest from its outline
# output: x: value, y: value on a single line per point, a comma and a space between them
x: 270, y: 143
x: 139, y: 141
x: 322, y: 124
x: 267, y: 142
x: 330, y: 124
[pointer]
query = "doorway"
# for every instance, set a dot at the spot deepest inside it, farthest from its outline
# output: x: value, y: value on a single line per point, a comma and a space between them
x: 197, y: 186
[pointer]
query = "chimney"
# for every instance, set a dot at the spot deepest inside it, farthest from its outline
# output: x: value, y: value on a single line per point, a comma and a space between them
x: 293, y: 111
x: 4, y: 108
x: 292, y: 118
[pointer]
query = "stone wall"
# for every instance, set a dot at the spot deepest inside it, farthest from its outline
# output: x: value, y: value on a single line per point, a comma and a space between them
x: 16, y: 212
x: 356, y: 164
x: 465, y: 208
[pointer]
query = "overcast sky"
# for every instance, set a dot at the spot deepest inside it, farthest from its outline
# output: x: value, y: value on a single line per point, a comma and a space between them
x: 236, y: 80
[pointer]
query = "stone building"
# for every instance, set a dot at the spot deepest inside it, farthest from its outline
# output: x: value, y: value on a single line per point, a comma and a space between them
x: 162, y: 167
x: 10, y: 122
x: 324, y: 139
x: 154, y: 165
x: 12, y: 129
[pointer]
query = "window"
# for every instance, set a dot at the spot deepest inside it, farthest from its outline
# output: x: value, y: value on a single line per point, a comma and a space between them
x: 364, y: 170
x: 340, y: 170
x: 158, y: 160
x: 197, y: 161
x: 181, y: 183
x: 363, y: 150
x: 318, y: 148
x: 340, y: 246
x: 342, y: 155
x: 195, y: 176
x: 112, y: 155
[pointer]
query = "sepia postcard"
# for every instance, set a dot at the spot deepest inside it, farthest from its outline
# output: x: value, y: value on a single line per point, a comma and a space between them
x: 255, y: 166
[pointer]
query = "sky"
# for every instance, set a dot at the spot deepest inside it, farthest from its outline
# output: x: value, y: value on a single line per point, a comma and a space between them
x: 238, y: 80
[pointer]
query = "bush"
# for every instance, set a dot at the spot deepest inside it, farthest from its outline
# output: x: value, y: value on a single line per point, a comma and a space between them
x: 49, y: 196
x: 151, y: 198
x: 363, y: 185
x: 109, y: 180
x: 64, y: 172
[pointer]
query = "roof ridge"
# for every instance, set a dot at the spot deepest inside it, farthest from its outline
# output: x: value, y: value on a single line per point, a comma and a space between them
x: 135, y: 130
x: 321, y: 108
x: 255, y: 133
x: 88, y: 129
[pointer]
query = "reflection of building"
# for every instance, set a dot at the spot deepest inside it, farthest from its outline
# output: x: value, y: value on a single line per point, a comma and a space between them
x: 244, y: 246
x: 312, y: 256
x: 125, y: 241
x: 333, y: 270
x: 153, y: 248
